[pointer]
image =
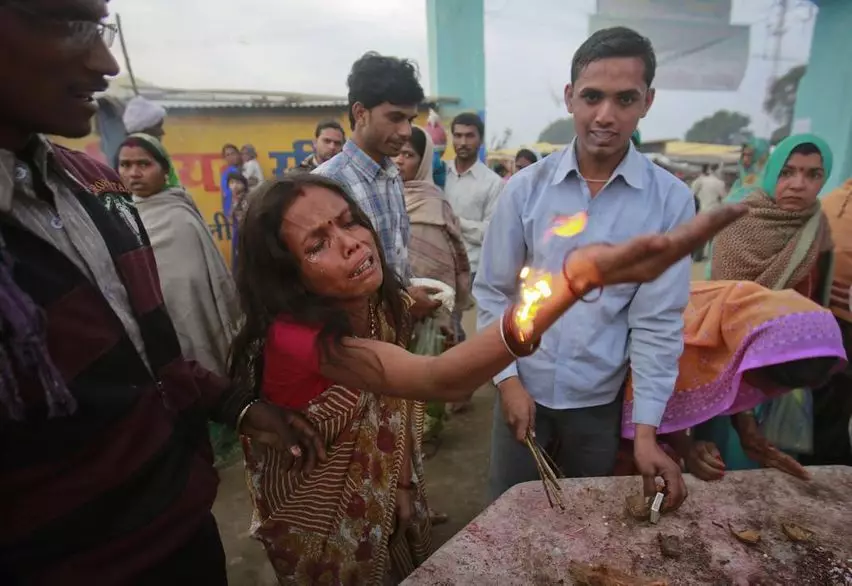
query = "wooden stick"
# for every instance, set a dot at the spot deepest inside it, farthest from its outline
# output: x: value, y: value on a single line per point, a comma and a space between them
x: 126, y: 54
x: 546, y: 462
x: 546, y: 489
x: 544, y: 469
x: 538, y: 459
x: 555, y: 473
x: 554, y: 466
x: 541, y: 475
x: 552, y: 488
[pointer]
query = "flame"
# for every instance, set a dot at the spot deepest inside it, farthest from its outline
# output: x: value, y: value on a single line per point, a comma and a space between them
x: 568, y: 226
x: 535, y: 285
x: 532, y: 296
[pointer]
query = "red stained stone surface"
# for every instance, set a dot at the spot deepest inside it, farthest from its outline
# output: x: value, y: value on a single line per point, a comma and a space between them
x: 520, y: 540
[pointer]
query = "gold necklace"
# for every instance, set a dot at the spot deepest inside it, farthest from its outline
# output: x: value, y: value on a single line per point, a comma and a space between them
x: 593, y: 180
x: 374, y: 323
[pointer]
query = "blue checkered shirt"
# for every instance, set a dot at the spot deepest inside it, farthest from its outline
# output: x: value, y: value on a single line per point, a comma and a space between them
x: 377, y: 189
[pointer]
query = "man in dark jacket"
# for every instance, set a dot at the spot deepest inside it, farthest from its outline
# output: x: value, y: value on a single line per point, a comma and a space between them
x: 106, y: 473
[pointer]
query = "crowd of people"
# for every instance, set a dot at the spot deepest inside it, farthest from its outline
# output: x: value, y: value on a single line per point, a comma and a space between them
x: 124, y: 332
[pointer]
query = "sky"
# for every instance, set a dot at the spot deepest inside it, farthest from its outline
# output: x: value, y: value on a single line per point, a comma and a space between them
x: 305, y: 46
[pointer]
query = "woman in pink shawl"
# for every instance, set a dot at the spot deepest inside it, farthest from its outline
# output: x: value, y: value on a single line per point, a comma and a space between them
x: 436, y: 250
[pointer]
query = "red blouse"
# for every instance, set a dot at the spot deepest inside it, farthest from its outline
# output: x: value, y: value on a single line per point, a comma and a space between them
x: 291, y: 373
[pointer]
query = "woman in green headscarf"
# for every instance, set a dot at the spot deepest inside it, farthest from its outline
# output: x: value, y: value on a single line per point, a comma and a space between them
x: 783, y: 243
x: 636, y: 138
x: 197, y: 286
x: 752, y: 160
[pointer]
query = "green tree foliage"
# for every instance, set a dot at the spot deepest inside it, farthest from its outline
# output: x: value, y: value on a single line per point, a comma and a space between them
x: 781, y: 101
x: 501, y: 142
x: 723, y: 127
x: 558, y: 132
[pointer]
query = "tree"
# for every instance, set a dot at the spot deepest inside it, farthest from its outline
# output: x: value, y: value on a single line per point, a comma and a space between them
x: 723, y: 127
x: 781, y: 101
x: 558, y: 132
x: 502, y: 142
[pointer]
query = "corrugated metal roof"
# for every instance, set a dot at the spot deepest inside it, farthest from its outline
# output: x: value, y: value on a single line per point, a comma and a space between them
x: 169, y: 103
x: 217, y: 98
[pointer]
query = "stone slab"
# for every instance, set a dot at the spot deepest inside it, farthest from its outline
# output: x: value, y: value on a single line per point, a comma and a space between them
x: 520, y: 540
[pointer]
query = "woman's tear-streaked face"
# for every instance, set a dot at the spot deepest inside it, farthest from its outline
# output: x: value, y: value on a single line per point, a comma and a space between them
x: 337, y: 254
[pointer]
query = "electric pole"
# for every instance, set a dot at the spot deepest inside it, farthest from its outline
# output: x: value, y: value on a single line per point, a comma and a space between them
x: 776, y: 32
x: 777, y: 35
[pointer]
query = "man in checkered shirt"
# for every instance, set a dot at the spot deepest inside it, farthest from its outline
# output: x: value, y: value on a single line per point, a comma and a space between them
x: 384, y: 94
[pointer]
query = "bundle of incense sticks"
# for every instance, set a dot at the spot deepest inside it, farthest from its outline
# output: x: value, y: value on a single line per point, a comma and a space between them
x: 548, y: 471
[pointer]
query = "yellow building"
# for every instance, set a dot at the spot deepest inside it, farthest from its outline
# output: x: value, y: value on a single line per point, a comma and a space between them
x: 279, y: 125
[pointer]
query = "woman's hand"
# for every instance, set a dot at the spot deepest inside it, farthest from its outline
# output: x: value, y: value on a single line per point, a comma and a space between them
x: 449, y: 336
x: 424, y: 306
x: 758, y: 448
x: 645, y: 258
x: 705, y: 462
x: 387, y: 369
x: 286, y: 431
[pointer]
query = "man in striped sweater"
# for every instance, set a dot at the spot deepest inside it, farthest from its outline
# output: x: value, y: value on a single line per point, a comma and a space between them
x: 106, y: 472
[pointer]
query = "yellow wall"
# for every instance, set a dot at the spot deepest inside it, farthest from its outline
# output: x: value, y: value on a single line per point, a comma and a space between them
x: 195, y: 143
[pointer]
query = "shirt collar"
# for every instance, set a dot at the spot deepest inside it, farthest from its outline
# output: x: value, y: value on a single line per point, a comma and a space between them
x: 474, y: 171
x: 630, y: 169
x: 364, y: 163
x: 42, y: 155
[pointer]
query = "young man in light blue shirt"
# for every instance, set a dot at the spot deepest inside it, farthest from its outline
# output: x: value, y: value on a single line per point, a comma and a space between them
x: 570, y: 391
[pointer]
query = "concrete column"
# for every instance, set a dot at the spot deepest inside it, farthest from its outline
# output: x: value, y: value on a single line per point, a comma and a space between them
x: 456, y: 32
x: 822, y: 103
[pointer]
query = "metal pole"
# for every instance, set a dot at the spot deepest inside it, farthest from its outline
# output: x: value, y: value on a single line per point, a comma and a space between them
x: 126, y: 54
x: 777, y: 35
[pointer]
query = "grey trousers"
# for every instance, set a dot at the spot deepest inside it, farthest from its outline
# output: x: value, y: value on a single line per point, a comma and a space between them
x: 588, y: 440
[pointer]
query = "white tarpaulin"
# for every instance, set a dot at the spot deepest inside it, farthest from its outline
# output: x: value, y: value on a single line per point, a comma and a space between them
x: 691, y: 54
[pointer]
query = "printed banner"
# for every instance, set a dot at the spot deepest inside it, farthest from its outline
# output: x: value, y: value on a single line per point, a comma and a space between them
x: 691, y: 55
x: 718, y: 11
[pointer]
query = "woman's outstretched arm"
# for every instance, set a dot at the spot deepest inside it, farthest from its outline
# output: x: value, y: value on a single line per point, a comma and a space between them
x: 384, y: 368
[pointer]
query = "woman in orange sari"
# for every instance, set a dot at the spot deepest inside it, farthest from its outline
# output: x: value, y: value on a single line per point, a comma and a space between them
x: 743, y: 345
x: 325, y: 331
